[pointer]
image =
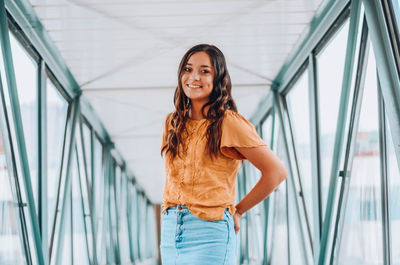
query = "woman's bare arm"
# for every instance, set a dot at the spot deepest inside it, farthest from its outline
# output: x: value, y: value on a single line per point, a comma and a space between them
x: 273, y: 172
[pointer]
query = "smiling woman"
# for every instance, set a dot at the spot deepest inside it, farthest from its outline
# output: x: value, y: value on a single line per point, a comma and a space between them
x: 204, y: 141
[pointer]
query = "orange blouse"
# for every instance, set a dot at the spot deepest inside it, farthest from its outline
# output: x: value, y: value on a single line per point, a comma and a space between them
x: 207, y: 187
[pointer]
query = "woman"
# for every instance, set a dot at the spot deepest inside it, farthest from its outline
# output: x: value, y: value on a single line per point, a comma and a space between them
x: 204, y: 141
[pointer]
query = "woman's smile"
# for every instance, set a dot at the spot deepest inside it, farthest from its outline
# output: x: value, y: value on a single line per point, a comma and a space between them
x: 193, y: 86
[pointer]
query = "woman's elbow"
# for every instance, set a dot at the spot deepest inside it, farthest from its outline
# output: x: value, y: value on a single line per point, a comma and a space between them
x: 275, y: 176
x: 281, y: 173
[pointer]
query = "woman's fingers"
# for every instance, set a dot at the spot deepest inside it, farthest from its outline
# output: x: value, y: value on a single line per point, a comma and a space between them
x: 236, y: 219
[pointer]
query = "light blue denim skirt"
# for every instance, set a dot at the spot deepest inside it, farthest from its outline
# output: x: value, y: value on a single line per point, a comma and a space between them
x: 189, y: 240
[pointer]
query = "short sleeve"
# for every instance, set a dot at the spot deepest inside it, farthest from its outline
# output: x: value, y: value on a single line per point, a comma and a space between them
x: 237, y: 132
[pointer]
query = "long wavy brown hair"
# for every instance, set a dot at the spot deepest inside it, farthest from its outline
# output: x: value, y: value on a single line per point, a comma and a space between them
x: 220, y: 100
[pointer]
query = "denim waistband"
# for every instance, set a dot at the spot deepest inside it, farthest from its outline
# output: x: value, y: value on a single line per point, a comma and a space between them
x: 178, y: 207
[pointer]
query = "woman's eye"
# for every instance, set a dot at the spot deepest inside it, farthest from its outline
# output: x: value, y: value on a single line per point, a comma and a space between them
x: 205, y: 71
x: 186, y: 69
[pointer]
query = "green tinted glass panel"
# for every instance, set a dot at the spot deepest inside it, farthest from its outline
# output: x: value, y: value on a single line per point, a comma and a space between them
x: 280, y: 251
x: 361, y: 241
x: 57, y: 108
x: 394, y: 196
x: 11, y: 251
x: 80, y: 250
x: 330, y: 67
x: 296, y: 246
x: 298, y: 103
x: 26, y: 77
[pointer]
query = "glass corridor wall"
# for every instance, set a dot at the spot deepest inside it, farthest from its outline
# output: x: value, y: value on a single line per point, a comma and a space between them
x: 333, y: 118
x: 65, y: 194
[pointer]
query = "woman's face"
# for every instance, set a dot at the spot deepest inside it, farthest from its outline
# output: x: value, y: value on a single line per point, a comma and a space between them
x: 198, y: 77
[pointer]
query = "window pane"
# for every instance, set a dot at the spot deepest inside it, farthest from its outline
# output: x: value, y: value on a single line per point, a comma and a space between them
x: 255, y: 218
x: 270, y: 228
x: 83, y: 189
x: 267, y: 131
x: 361, y: 241
x: 10, y: 241
x: 396, y: 4
x: 394, y: 196
x: 57, y: 108
x: 20, y: 64
x: 26, y: 78
x: 99, y: 213
x: 80, y: 250
x: 297, y: 255
x: 280, y: 251
x: 98, y: 186
x: 297, y: 100
x: 330, y: 67
x: 151, y: 245
x: 67, y: 243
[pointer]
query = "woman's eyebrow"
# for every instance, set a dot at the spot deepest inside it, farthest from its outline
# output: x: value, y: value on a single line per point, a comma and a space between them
x: 203, y: 65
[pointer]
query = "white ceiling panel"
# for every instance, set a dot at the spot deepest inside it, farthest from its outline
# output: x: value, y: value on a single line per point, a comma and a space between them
x: 125, y: 55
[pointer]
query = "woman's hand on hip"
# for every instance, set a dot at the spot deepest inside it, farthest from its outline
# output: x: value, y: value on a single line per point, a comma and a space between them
x: 236, y: 219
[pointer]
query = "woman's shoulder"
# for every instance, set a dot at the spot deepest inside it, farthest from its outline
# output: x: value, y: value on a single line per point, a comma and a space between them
x: 233, y: 117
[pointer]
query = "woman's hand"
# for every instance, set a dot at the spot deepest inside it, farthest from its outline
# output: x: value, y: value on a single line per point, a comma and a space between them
x: 236, y: 219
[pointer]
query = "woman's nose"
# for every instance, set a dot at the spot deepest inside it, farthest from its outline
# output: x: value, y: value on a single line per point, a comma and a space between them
x: 195, y: 76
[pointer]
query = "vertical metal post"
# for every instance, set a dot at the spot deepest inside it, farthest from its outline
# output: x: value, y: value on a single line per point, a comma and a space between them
x: 386, y: 229
x: 129, y: 216
x: 315, y: 153
x: 138, y: 215
x: 387, y: 69
x: 116, y: 214
x: 42, y: 163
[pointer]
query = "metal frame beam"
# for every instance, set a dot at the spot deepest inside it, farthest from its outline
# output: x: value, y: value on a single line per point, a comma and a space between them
x: 285, y: 134
x: 388, y: 70
x: 73, y: 119
x: 19, y: 133
x: 340, y: 128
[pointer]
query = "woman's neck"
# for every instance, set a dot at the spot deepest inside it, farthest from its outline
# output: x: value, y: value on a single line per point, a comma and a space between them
x: 195, y: 110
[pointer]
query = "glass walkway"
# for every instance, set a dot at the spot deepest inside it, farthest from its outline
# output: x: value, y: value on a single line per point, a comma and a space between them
x: 70, y: 194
